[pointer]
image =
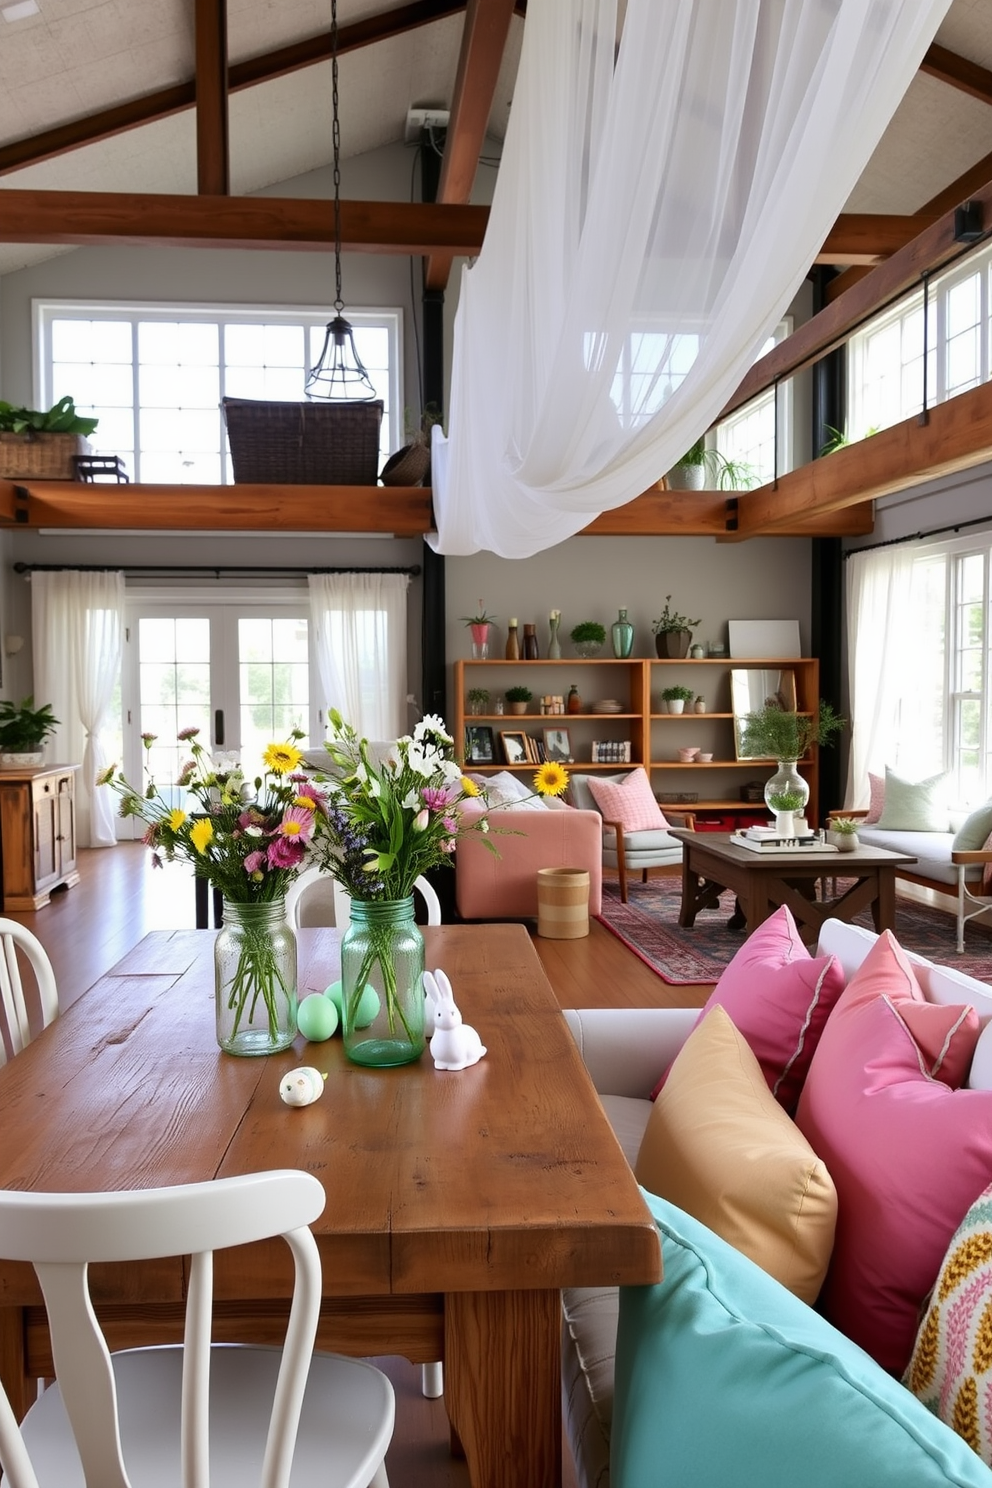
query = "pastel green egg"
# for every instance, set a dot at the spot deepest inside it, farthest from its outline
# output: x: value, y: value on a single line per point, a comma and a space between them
x: 317, y: 1018
x: 334, y: 993
x: 368, y: 1008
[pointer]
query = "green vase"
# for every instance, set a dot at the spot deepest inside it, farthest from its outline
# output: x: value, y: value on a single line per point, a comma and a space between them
x: 623, y: 636
x: 255, y: 979
x: 382, y: 983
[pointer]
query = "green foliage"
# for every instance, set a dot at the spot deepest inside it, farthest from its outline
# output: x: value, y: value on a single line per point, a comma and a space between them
x: 671, y: 694
x: 478, y: 694
x: 23, y: 727
x: 787, y: 801
x: 772, y: 733
x: 839, y: 439
x: 586, y: 631
x: 845, y: 825
x: 61, y: 419
x: 695, y: 454
x: 480, y: 619
x: 518, y: 694
x: 669, y: 620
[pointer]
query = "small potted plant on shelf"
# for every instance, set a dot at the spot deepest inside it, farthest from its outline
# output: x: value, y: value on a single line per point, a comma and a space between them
x: 587, y: 637
x: 23, y: 730
x: 481, y: 627
x: 677, y: 696
x: 689, y: 472
x: 478, y: 699
x: 672, y: 632
x: 518, y: 698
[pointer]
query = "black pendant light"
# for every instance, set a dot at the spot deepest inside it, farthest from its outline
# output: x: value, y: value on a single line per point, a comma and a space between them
x: 339, y: 374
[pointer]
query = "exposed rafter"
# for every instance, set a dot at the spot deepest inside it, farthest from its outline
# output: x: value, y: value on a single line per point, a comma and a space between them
x: 213, y: 172
x: 958, y: 72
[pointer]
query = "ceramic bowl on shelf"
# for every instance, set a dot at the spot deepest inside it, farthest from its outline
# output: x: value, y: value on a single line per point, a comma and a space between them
x: 705, y: 759
x: 688, y: 756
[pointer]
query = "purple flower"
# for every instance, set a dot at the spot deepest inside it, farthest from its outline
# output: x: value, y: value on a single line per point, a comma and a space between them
x: 286, y: 852
x: 254, y: 862
x: 435, y: 798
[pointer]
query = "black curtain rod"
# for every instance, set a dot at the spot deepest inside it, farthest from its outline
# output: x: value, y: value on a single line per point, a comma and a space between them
x: 192, y: 568
x: 892, y: 542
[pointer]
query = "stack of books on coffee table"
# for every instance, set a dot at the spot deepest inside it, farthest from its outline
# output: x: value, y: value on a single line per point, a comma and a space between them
x: 767, y: 840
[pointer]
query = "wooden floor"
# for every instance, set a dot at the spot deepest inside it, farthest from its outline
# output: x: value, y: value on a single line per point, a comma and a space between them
x: 120, y: 897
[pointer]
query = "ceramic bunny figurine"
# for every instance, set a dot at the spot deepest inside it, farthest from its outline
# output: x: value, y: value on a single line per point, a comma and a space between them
x: 455, y: 1045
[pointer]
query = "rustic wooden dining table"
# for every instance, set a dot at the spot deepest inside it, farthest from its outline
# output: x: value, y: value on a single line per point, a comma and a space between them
x: 458, y: 1203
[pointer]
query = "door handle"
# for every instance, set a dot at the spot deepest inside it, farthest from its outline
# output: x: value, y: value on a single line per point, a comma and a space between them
x: 219, y: 727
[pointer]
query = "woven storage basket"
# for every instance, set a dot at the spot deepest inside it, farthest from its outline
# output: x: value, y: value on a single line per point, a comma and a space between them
x: 303, y: 444
x: 40, y: 456
x: 410, y: 466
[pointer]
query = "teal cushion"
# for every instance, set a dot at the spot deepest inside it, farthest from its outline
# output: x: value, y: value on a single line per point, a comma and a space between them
x: 974, y: 832
x: 724, y: 1377
x: 915, y: 805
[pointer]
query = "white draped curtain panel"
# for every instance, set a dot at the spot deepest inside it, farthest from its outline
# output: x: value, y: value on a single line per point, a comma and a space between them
x: 359, y: 630
x: 880, y: 662
x: 77, y: 621
x: 657, y: 207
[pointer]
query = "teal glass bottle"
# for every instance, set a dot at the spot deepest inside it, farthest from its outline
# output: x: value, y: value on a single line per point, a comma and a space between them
x: 623, y: 636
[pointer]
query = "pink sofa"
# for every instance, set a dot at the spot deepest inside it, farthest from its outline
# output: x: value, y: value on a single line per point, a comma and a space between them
x: 488, y: 887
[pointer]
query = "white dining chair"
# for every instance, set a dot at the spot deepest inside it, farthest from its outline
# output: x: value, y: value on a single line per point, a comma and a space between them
x: 17, y: 941
x: 171, y: 1415
x: 432, y: 1375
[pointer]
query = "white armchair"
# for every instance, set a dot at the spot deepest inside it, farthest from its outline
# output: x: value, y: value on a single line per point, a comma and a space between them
x: 630, y: 852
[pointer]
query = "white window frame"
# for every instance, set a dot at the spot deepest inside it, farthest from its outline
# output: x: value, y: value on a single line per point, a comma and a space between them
x: 779, y: 398
x: 45, y: 311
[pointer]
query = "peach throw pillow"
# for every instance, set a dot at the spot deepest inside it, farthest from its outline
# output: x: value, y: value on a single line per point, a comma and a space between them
x: 630, y: 802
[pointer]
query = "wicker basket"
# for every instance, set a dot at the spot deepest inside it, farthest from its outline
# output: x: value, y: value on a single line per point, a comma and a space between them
x: 410, y: 466
x: 40, y: 456
x: 303, y: 444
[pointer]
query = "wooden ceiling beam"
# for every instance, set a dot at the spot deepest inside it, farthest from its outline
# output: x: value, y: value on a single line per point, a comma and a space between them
x: 165, y: 102
x: 708, y: 513
x: 865, y: 237
x: 213, y: 154
x: 269, y: 222
x: 957, y: 435
x: 929, y: 250
x: 958, y: 72
x: 487, y: 26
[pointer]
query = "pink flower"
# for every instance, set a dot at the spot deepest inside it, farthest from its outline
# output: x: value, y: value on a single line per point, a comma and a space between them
x: 420, y: 821
x: 286, y: 852
x: 187, y: 733
x: 450, y: 824
x: 447, y: 844
x: 254, y: 862
x: 297, y: 823
x: 435, y: 798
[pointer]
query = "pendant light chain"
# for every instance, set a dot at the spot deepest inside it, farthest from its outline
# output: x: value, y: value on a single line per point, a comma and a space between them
x: 339, y: 373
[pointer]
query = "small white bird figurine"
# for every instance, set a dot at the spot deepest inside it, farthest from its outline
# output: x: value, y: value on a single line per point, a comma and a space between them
x: 455, y: 1044
x: 302, y: 1086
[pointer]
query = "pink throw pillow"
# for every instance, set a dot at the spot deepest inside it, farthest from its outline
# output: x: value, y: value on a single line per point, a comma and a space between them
x: 630, y: 802
x: 907, y: 1154
x: 876, y: 799
x: 778, y: 996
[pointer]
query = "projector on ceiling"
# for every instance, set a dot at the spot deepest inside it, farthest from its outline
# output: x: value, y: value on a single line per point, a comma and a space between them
x: 418, y: 119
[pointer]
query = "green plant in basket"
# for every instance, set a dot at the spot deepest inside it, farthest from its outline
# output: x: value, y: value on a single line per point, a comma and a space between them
x: 60, y: 419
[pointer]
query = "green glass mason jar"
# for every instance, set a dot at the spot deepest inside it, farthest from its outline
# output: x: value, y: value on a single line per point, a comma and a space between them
x: 255, y: 979
x: 382, y: 983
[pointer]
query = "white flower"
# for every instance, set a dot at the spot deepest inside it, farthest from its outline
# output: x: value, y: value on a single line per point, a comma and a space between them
x: 451, y: 770
x: 254, y: 832
x: 411, y: 802
x: 432, y: 723
x: 422, y: 762
x: 484, y: 825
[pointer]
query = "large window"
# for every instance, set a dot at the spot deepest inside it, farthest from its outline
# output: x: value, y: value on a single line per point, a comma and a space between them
x: 155, y: 375
x: 748, y: 437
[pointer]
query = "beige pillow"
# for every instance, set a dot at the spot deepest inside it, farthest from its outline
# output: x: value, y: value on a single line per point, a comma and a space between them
x: 718, y: 1145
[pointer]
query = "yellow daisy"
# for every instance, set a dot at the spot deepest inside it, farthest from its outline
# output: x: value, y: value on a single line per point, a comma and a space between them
x: 201, y: 834
x: 176, y: 818
x: 550, y: 779
x: 282, y: 759
x: 469, y: 787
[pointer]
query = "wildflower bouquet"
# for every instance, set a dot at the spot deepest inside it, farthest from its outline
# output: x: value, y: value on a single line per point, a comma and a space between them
x: 248, y: 839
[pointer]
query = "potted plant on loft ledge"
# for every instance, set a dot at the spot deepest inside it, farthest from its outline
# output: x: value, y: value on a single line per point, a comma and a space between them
x: 672, y: 632
x: 42, y: 445
x: 23, y: 730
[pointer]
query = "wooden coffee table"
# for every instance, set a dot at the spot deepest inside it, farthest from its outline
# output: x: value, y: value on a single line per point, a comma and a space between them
x: 711, y: 862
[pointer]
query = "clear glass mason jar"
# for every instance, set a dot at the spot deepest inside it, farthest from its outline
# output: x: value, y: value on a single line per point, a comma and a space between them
x: 255, y: 979
x: 382, y: 983
x: 786, y: 794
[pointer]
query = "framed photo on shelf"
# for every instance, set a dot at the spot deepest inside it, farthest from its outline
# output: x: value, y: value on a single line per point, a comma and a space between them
x: 557, y: 746
x: 514, y: 744
x: 479, y: 746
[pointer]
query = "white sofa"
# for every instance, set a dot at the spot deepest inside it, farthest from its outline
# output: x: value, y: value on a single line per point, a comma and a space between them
x: 938, y: 866
x: 625, y: 1050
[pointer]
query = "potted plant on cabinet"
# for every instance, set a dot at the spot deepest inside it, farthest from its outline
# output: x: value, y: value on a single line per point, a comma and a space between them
x: 677, y: 696
x: 587, y: 637
x: 23, y: 730
x: 672, y: 632
x: 518, y: 698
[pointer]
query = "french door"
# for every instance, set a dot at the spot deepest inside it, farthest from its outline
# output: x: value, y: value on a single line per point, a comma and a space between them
x: 238, y: 671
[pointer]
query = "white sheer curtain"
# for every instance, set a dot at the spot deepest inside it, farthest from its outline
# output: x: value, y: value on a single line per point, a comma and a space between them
x: 77, y: 623
x: 880, y: 659
x: 359, y: 628
x: 651, y: 221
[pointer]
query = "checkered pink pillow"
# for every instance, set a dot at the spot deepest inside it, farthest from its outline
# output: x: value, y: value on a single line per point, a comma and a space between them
x: 876, y: 785
x: 630, y: 802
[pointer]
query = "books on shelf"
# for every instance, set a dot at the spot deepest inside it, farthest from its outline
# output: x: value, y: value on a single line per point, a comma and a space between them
x: 611, y: 751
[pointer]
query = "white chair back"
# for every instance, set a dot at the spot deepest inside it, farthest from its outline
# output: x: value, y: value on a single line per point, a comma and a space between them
x: 342, y: 902
x: 15, y: 938
x: 196, y: 1412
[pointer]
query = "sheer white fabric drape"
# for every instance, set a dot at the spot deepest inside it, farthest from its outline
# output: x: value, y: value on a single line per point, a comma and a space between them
x: 359, y: 629
x: 77, y: 622
x: 880, y: 660
x: 651, y: 222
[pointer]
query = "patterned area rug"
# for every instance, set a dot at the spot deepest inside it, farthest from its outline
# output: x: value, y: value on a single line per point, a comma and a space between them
x: 648, y: 925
